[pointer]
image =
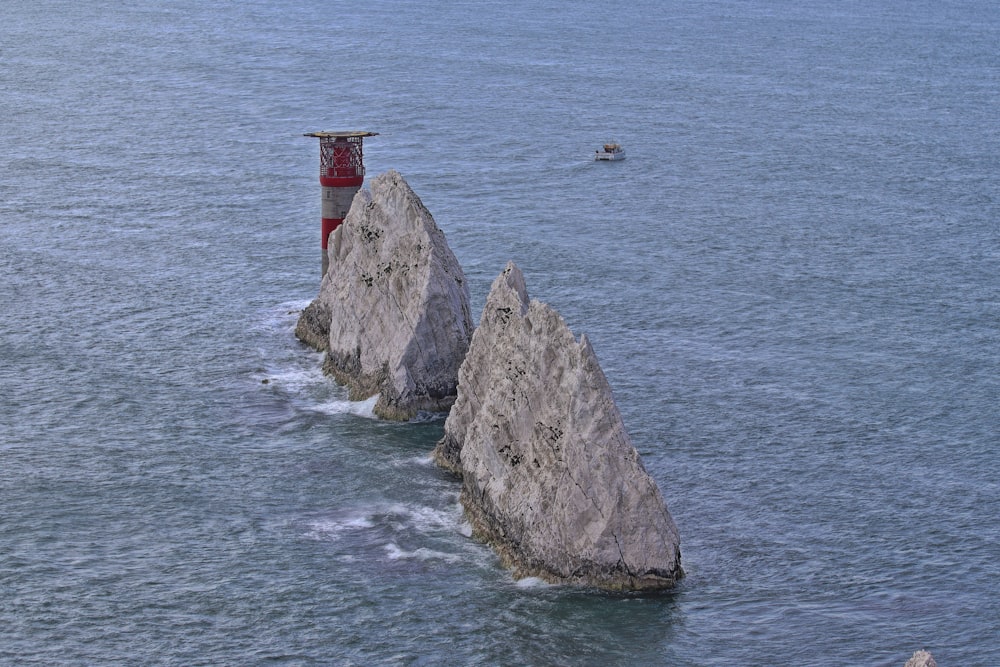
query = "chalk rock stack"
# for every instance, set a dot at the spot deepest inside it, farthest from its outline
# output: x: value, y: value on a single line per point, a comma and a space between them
x: 921, y: 659
x: 549, y: 476
x: 393, y: 309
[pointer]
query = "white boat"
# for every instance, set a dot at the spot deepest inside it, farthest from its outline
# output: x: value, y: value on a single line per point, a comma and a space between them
x: 610, y: 152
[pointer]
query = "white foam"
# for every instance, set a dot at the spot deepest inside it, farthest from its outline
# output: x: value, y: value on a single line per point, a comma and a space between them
x: 324, y: 529
x: 532, y: 582
x: 283, y: 315
x: 423, y: 518
x: 365, y: 408
x: 295, y: 378
x: 399, y: 517
x: 425, y: 460
x: 394, y: 552
x: 302, y: 379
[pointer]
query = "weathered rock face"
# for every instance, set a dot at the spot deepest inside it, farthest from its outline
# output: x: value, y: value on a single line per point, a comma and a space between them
x: 549, y: 475
x: 313, y: 327
x: 393, y: 309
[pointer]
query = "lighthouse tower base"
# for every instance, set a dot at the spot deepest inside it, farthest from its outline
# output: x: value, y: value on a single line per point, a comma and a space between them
x: 336, y: 204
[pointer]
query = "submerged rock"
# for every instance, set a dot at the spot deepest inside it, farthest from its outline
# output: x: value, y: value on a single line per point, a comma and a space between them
x: 549, y: 476
x: 393, y: 309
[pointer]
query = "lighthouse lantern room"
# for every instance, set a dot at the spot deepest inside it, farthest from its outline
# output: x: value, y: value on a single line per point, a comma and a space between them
x: 341, y: 174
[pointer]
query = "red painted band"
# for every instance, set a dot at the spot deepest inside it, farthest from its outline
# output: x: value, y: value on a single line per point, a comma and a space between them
x: 329, y: 224
x: 341, y: 181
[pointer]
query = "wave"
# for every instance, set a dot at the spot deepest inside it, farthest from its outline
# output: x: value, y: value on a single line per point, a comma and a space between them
x: 390, y: 519
x: 296, y: 371
x: 533, y: 582
x: 365, y: 408
x: 321, y: 529
x: 394, y: 552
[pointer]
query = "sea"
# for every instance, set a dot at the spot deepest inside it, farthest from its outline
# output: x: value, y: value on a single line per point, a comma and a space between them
x: 792, y: 284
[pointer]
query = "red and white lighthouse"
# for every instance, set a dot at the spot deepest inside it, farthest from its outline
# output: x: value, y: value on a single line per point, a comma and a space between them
x: 341, y: 174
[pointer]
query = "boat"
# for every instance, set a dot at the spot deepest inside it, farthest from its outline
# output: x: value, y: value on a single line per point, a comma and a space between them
x: 611, y: 152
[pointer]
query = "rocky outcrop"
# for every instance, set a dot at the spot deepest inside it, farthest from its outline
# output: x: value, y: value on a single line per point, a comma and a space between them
x: 313, y: 327
x: 393, y: 309
x: 921, y: 659
x: 549, y: 476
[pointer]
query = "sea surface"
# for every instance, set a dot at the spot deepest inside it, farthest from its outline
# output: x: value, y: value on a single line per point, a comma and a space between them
x: 792, y: 284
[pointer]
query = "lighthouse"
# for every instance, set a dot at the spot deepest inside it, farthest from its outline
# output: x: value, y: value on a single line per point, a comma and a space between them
x: 341, y: 174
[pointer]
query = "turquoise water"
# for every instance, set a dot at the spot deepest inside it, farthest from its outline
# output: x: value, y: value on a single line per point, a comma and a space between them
x: 792, y: 283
